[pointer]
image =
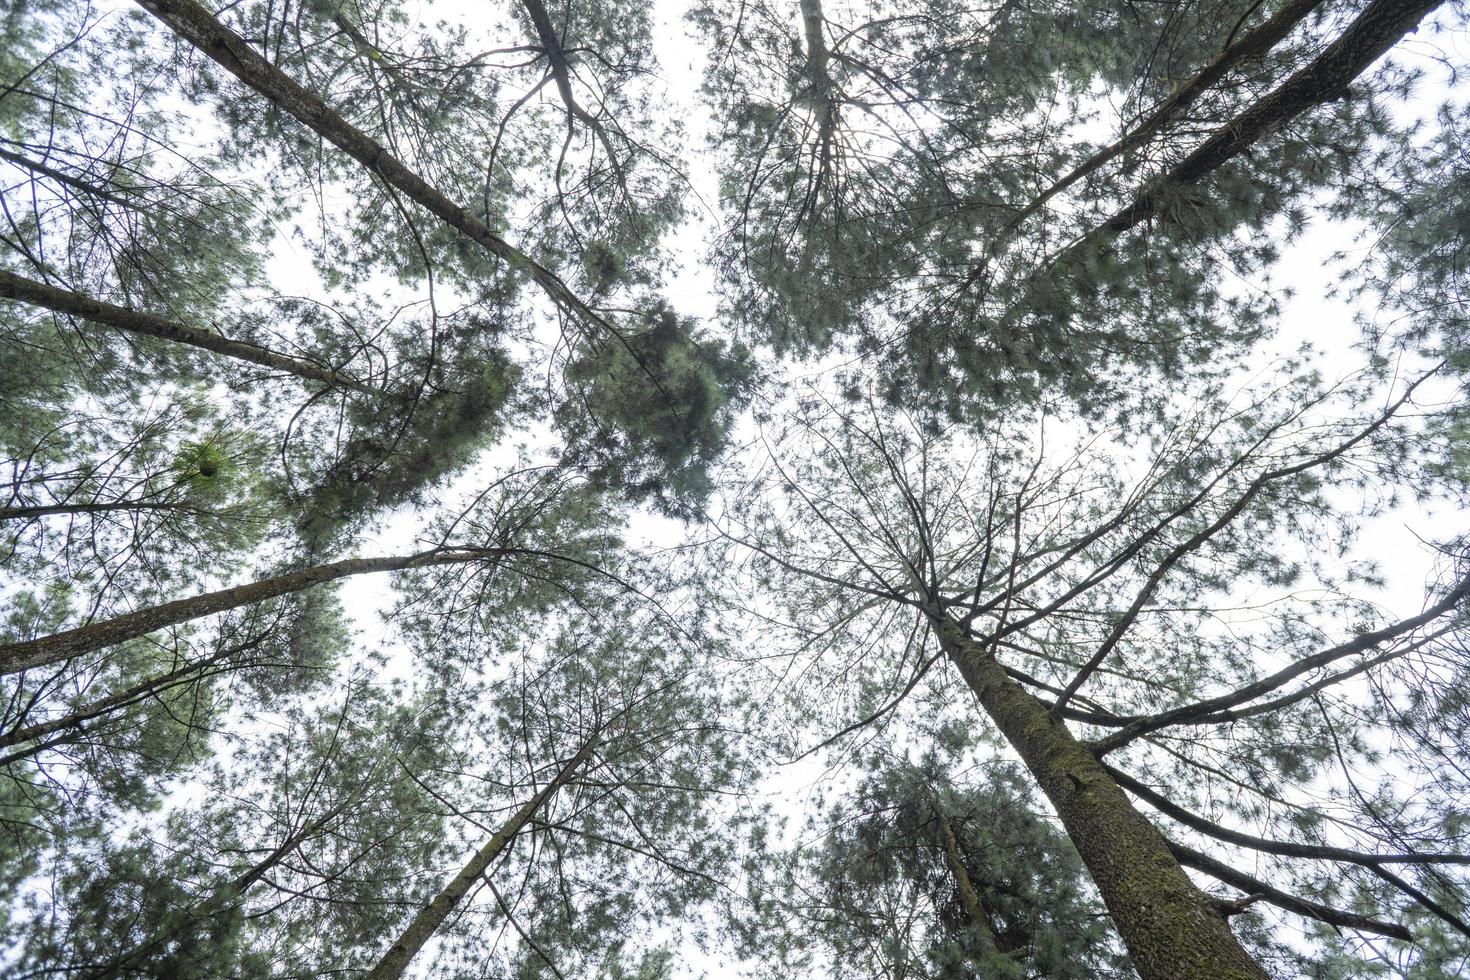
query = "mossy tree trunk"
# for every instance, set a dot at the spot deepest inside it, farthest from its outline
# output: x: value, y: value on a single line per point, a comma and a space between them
x: 1172, y: 929
x: 974, y: 907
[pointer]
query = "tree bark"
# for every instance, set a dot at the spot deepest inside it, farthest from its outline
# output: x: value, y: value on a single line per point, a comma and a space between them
x: 1172, y: 929
x: 58, y: 300
x: 182, y: 919
x: 62, y: 177
x: 969, y: 897
x: 232, y: 52
x: 813, y: 23
x: 57, y: 510
x: 561, y: 71
x: 1381, y: 25
x: 107, y: 705
x: 94, y: 636
x: 1255, y: 44
x: 432, y: 916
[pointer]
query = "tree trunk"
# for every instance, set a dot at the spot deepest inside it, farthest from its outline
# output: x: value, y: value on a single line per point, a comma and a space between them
x: 1254, y: 45
x: 114, y: 195
x: 57, y: 510
x: 1255, y: 888
x: 107, y: 705
x: 813, y: 24
x: 194, y: 24
x: 969, y: 897
x: 1172, y: 929
x: 94, y: 636
x: 149, y: 325
x: 550, y: 43
x: 1381, y: 25
x: 432, y: 916
x: 182, y: 919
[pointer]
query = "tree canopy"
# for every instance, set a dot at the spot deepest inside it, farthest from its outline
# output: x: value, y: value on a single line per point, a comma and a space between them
x: 800, y: 488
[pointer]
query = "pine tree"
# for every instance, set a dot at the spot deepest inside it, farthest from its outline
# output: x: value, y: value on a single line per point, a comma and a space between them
x: 913, y: 873
x: 1075, y: 601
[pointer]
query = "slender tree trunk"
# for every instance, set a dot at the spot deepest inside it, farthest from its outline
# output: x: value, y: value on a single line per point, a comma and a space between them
x: 969, y: 897
x: 115, y: 195
x: 432, y: 916
x: 1173, y: 930
x: 107, y: 705
x: 561, y: 73
x: 57, y: 300
x: 1380, y: 25
x: 94, y: 636
x: 57, y: 510
x: 194, y: 24
x: 1255, y: 44
x: 1255, y: 888
x: 180, y: 920
x: 556, y: 57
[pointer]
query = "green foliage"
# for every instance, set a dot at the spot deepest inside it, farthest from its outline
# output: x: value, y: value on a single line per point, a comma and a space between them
x: 407, y: 441
x: 881, y: 170
x: 129, y: 499
x: 648, y: 411
x: 119, y: 896
x: 873, y: 890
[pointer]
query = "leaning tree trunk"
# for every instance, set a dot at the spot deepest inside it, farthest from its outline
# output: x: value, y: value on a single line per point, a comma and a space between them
x: 1255, y: 44
x: 66, y: 510
x: 84, y: 639
x: 1376, y: 29
x: 1172, y: 929
x: 74, y: 724
x: 143, y: 324
x: 969, y: 897
x: 192, y: 22
x: 181, y: 920
x: 431, y: 917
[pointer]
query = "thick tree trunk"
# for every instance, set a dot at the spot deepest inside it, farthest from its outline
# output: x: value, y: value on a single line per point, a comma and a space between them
x: 813, y: 24
x: 979, y: 921
x: 149, y: 325
x: 232, y: 52
x: 432, y: 916
x: 1381, y: 25
x: 1172, y: 929
x: 1254, y: 45
x: 94, y: 636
